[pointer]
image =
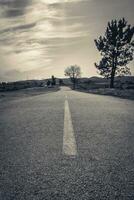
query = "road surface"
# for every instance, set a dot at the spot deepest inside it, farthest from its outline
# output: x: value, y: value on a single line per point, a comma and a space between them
x: 67, y: 145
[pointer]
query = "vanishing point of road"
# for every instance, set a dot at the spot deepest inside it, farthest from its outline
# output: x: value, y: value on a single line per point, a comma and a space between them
x: 67, y: 145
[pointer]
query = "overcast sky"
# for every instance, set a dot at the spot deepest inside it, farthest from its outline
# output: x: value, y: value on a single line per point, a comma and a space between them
x: 40, y: 38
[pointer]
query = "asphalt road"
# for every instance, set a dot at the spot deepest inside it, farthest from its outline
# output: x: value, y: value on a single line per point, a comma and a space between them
x: 39, y: 161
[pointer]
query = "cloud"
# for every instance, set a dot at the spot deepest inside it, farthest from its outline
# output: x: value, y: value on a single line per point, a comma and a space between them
x: 14, y: 8
x: 20, y: 27
x: 46, y: 27
x: 59, y: 1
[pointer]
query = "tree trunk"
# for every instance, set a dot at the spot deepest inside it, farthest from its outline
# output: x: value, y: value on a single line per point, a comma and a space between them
x: 112, y: 80
x: 74, y: 83
x: 113, y: 72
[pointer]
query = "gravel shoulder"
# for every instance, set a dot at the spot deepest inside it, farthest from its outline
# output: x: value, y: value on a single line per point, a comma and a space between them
x: 23, y: 93
x: 125, y: 94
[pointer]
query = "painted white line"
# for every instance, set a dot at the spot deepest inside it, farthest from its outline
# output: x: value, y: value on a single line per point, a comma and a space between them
x: 69, y: 142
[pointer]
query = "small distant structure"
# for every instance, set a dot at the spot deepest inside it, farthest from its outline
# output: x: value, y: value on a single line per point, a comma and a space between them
x: 48, y: 83
x: 60, y: 82
x: 53, y: 80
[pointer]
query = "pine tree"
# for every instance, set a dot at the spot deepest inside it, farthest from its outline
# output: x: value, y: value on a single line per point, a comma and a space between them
x: 116, y: 48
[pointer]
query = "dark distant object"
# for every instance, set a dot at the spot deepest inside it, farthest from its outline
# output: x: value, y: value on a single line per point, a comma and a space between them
x: 116, y: 48
x: 3, y: 85
x: 60, y: 82
x: 53, y: 81
x: 48, y: 83
x: 74, y: 72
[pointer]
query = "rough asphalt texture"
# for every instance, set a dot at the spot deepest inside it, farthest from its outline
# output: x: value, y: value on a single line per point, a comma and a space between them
x: 32, y: 164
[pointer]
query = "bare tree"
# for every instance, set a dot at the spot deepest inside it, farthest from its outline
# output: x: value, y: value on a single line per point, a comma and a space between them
x: 74, y: 72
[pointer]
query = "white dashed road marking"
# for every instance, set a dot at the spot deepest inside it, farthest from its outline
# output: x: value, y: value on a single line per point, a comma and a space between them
x: 69, y: 142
